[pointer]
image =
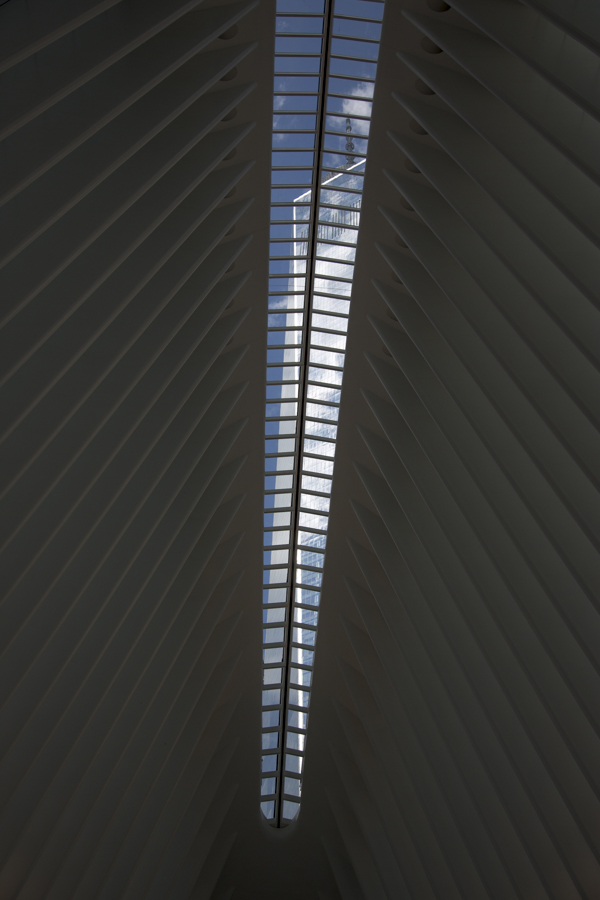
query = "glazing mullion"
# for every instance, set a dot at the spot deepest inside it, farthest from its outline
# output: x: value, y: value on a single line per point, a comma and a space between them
x: 293, y: 184
x: 315, y: 366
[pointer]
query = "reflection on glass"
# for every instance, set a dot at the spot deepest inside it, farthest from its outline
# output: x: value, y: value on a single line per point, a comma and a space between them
x: 292, y: 786
x: 272, y: 676
x: 290, y: 810
x: 299, y: 698
x: 269, y: 763
x: 293, y: 763
x: 306, y: 616
x: 274, y: 615
x: 309, y: 539
x: 268, y: 786
x: 333, y: 251
x: 301, y: 676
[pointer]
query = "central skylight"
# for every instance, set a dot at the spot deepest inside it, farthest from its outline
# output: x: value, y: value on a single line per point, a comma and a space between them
x: 325, y: 66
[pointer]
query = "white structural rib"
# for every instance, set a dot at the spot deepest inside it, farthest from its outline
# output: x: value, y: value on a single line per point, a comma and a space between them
x: 119, y: 440
x: 466, y: 763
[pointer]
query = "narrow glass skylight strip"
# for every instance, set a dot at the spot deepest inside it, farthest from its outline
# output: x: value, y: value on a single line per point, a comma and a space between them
x: 320, y: 140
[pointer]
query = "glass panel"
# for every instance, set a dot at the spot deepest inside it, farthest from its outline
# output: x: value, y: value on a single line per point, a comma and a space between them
x: 273, y: 520
x: 285, y: 122
x: 339, y: 217
x: 296, y: 719
x: 279, y: 463
x: 301, y: 676
x: 326, y: 358
x: 293, y: 763
x: 273, y: 635
x: 268, y: 786
x: 274, y: 410
x: 270, y: 719
x: 309, y: 520
x: 356, y: 68
x: 334, y: 251
x: 288, y: 373
x: 308, y: 539
x: 367, y: 30
x: 292, y: 786
x: 297, y: 64
x: 329, y: 376
x: 321, y: 429
x: 274, y: 595
x: 298, y: 103
x: 304, y: 636
x: 287, y: 266
x: 306, y: 6
x: 322, y: 466
x: 283, y: 356
x: 275, y: 576
x: 302, y: 84
x: 318, y: 392
x: 292, y: 301
x: 367, y: 9
x: 297, y: 45
x: 278, y: 482
x: 290, y: 809
x: 333, y: 287
x: 334, y: 269
x: 288, y: 248
x: 322, y: 412
x: 283, y: 283
x: 298, y: 698
x: 341, y: 161
x: 303, y: 657
x: 271, y: 616
x: 284, y: 213
x: 306, y: 595
x: 280, y: 428
x: 277, y: 537
x: 323, y: 448
x: 271, y: 697
x: 295, y: 741
x: 282, y: 391
x: 306, y: 616
x: 346, y: 106
x: 340, y: 198
x: 309, y: 558
x: 299, y: 24
x: 350, y: 87
x: 356, y: 49
x: 335, y: 233
x: 269, y: 763
x: 322, y: 339
x: 331, y: 304
x: 270, y: 741
x: 352, y: 181
x: 306, y: 576
x: 347, y: 125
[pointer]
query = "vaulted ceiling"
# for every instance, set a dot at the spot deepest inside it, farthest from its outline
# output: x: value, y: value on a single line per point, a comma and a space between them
x: 454, y: 724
